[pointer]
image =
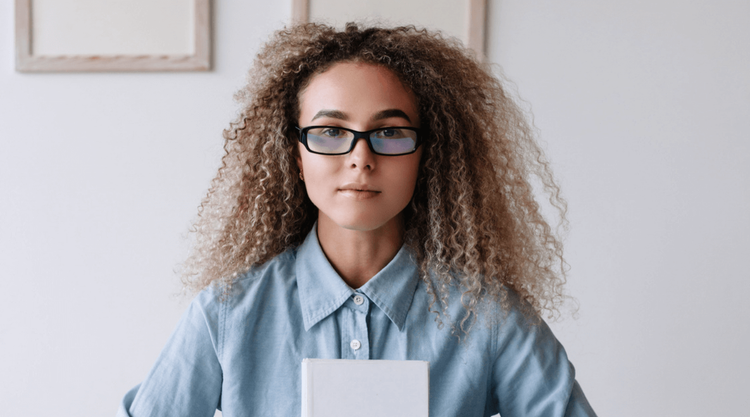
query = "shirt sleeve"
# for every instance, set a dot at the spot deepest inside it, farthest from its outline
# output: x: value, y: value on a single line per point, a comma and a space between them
x: 186, y: 379
x: 531, y: 373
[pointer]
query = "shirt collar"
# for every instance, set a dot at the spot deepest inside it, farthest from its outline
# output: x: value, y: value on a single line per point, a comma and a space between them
x: 322, y: 291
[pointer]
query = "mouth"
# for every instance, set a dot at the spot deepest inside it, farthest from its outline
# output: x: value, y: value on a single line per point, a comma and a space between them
x: 358, y: 191
x: 358, y: 188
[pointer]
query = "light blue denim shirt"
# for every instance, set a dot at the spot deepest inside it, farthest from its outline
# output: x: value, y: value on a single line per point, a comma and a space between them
x: 243, y: 355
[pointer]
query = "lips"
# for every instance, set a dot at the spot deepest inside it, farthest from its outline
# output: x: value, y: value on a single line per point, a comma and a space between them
x: 358, y: 192
x: 356, y: 187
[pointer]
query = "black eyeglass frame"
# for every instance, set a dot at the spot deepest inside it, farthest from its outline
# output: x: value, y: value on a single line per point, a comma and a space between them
x: 363, y: 135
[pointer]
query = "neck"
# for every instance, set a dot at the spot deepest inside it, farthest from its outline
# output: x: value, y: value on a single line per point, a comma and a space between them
x: 357, y: 255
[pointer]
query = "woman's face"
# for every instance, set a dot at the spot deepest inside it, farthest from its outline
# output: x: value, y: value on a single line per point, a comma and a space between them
x: 359, y: 190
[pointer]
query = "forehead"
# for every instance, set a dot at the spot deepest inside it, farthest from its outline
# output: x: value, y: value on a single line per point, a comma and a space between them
x: 356, y: 89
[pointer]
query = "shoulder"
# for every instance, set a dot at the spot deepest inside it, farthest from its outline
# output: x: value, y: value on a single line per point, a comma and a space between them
x: 271, y: 285
x: 520, y: 334
x: 506, y: 319
x: 280, y: 267
x: 494, y: 317
x: 504, y: 311
x: 271, y: 280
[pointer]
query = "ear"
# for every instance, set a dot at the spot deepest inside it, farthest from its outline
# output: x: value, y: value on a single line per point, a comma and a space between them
x: 294, y: 150
x: 298, y: 158
x: 299, y: 162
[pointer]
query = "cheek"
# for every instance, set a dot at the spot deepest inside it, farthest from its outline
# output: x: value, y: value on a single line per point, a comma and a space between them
x: 317, y: 172
x: 412, y: 172
x: 404, y: 176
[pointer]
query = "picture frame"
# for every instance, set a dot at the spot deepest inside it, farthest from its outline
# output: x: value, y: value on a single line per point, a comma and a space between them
x: 47, y: 41
x: 472, y: 33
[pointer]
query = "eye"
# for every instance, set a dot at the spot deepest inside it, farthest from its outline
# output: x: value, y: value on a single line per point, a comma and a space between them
x: 332, y: 132
x: 389, y: 133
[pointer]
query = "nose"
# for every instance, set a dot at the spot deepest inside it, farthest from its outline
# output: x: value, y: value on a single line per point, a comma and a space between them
x: 361, y: 156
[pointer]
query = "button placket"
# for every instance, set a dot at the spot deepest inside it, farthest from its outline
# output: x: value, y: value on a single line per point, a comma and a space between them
x: 355, y: 335
x: 360, y: 343
x: 349, y: 331
x: 362, y: 346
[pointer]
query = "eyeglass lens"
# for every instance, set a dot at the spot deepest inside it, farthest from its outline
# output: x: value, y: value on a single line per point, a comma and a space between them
x: 390, y: 141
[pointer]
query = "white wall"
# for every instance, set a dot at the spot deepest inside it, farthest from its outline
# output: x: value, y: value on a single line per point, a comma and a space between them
x: 100, y: 176
x: 644, y: 109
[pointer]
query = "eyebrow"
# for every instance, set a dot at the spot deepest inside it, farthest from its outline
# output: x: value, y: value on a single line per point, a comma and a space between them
x: 335, y: 114
x: 384, y: 114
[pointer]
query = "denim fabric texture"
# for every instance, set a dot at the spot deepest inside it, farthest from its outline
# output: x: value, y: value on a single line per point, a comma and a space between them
x: 243, y: 354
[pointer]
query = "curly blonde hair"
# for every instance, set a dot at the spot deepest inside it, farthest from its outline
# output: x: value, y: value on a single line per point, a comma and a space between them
x: 473, y: 222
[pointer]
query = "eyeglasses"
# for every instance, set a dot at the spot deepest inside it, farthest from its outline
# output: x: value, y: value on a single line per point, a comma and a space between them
x: 333, y: 140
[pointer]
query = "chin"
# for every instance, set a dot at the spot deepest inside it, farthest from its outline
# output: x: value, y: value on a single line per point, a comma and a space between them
x: 360, y: 226
x: 362, y: 223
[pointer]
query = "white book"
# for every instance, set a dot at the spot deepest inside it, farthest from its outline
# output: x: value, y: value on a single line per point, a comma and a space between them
x: 365, y: 388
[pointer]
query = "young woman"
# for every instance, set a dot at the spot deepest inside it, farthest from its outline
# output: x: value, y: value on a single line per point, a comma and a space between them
x: 373, y: 203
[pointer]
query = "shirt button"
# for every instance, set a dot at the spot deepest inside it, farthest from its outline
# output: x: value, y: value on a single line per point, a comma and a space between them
x: 355, y: 344
x: 358, y: 300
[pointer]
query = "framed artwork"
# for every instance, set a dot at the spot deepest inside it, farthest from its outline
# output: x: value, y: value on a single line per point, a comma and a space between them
x: 463, y: 19
x: 112, y: 35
